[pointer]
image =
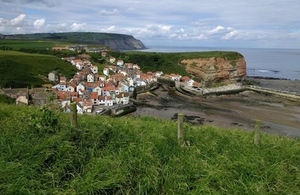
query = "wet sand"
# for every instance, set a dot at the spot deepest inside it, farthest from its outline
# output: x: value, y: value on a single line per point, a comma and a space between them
x: 277, y: 115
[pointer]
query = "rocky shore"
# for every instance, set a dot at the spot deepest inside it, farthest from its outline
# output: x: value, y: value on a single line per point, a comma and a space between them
x: 241, y: 110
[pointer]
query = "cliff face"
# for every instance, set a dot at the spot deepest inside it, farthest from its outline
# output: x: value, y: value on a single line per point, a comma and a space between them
x: 125, y: 43
x: 216, y: 70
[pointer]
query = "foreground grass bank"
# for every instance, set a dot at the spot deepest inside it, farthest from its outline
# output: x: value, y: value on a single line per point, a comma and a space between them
x: 42, y: 154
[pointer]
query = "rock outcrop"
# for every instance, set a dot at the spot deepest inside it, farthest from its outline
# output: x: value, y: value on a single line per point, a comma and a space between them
x: 216, y: 69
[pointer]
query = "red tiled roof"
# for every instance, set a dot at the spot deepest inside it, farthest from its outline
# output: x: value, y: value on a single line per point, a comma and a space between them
x: 77, y: 100
x: 61, y: 95
x: 109, y: 88
x: 101, y: 97
x: 74, y: 94
x: 184, y: 78
x: 87, y: 103
x: 94, y: 95
x: 90, y: 84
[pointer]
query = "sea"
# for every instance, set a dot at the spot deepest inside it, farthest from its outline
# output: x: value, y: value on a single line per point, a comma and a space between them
x: 260, y: 62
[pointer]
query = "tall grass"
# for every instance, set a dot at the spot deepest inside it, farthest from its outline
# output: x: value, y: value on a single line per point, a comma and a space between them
x: 138, y: 156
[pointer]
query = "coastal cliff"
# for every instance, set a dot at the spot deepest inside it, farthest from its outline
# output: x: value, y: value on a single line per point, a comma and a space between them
x: 216, y: 69
x: 123, y: 43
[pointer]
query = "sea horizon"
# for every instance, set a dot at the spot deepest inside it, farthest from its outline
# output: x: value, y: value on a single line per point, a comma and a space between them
x: 281, y: 63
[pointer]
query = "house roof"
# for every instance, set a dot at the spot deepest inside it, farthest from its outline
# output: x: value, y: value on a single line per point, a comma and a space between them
x: 62, y: 95
x: 123, y: 94
x: 128, y: 65
x: 87, y: 103
x: 185, y: 78
x: 101, y: 97
x: 71, y: 84
x: 74, y: 94
x: 109, y: 88
x: 77, y: 99
x: 94, y: 95
x: 90, y: 85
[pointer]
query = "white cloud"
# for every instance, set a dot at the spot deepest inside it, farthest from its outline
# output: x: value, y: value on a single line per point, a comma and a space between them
x: 273, y: 21
x: 109, y: 13
x: 111, y: 29
x: 39, y: 23
x: 17, y: 20
x: 77, y: 27
x: 230, y: 35
x: 216, y: 30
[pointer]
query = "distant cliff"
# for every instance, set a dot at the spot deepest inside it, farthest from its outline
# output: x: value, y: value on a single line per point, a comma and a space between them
x: 123, y: 43
x: 114, y: 41
x: 216, y: 69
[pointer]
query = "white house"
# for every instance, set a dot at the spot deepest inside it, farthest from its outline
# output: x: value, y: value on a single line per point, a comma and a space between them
x: 80, y: 87
x: 108, y: 101
x: 79, y: 108
x: 98, y: 89
x: 120, y: 63
x: 52, y: 76
x: 159, y: 73
x: 122, y: 98
x: 90, y: 78
x: 87, y: 106
x: 106, y: 71
x: 71, y: 87
x: 94, y: 69
x: 22, y: 99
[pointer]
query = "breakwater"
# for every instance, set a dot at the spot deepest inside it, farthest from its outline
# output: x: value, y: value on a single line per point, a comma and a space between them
x: 284, y: 94
x: 235, y: 88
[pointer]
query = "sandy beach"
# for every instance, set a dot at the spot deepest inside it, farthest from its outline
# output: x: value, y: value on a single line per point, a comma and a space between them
x: 277, y: 115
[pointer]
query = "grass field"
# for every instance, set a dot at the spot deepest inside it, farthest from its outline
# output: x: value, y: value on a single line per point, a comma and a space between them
x: 18, y: 69
x: 39, y: 45
x: 42, y: 154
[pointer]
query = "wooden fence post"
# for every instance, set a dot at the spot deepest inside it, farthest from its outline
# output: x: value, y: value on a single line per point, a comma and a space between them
x: 180, y: 133
x: 257, y: 133
x: 73, y: 118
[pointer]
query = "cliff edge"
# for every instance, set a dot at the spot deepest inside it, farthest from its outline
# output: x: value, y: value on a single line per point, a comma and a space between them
x: 216, y: 69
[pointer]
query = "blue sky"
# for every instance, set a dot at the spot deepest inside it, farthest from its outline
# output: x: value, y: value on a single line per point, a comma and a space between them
x: 199, y: 23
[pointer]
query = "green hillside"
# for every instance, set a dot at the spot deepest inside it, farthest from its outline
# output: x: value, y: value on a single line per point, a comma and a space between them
x: 169, y: 62
x: 73, y: 37
x: 19, y: 69
x: 112, y: 40
x: 41, y: 154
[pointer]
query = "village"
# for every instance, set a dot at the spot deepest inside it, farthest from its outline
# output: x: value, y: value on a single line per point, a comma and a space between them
x: 92, y: 90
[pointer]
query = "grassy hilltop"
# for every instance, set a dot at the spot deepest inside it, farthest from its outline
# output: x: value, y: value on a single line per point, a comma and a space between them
x: 18, y: 69
x: 42, y: 154
x: 111, y: 40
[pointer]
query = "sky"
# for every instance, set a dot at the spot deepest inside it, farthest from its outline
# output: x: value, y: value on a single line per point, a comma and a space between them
x: 189, y: 23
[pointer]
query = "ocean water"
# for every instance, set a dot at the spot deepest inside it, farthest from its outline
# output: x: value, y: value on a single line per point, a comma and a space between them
x: 273, y: 63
